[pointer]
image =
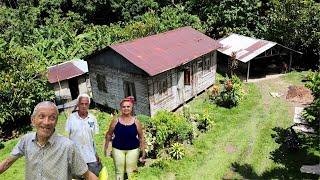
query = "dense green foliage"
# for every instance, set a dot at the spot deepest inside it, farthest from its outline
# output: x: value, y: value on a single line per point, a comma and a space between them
x: 296, y: 24
x: 165, y: 129
x: 37, y: 34
x: 312, y: 112
x: 166, y: 133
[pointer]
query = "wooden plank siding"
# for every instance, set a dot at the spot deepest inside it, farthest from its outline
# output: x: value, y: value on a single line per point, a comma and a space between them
x: 64, y: 92
x: 114, y: 80
x: 176, y: 93
x: 84, y: 84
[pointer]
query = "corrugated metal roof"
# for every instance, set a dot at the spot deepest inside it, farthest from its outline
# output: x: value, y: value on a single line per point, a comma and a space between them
x: 246, y: 48
x: 158, y: 53
x: 67, y: 70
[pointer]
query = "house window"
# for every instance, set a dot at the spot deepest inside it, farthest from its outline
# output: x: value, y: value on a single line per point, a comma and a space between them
x: 206, y: 64
x: 187, y: 76
x: 163, y: 86
x: 129, y: 89
x: 101, y: 82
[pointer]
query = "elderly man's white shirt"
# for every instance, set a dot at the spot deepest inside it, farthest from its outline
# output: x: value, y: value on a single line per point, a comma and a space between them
x: 81, y: 132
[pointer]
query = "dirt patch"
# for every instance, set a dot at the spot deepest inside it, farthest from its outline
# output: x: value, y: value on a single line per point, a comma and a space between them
x: 299, y: 94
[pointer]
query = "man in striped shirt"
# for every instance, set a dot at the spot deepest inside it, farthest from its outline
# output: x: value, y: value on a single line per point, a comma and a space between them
x: 48, y: 155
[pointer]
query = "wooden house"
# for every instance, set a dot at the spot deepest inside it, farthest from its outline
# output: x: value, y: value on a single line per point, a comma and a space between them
x: 69, y: 79
x: 161, y: 71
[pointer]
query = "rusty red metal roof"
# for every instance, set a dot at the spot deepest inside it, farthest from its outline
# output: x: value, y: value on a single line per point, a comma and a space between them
x: 67, y: 70
x: 161, y: 52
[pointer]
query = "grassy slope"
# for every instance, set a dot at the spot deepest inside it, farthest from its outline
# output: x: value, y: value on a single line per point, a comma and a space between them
x: 236, y: 129
x: 246, y: 130
x: 241, y: 136
x: 16, y: 171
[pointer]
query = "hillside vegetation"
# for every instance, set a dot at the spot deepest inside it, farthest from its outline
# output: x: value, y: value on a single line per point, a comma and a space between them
x: 37, y: 34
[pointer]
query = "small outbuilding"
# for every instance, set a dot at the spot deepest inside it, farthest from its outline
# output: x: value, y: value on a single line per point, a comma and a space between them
x: 259, y: 54
x: 161, y: 71
x: 69, y: 79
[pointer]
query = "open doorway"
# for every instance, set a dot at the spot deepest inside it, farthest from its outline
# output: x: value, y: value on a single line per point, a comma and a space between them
x: 74, y: 87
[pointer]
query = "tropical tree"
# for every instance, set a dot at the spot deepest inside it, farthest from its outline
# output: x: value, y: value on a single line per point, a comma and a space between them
x: 22, y: 84
x: 296, y: 24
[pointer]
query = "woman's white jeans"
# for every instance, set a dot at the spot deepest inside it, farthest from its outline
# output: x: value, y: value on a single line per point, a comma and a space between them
x: 125, y: 161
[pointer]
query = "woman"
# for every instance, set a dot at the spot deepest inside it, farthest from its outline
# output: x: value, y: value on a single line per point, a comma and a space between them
x: 128, y: 137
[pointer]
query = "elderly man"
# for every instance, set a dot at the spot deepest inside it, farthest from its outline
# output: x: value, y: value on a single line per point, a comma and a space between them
x: 81, y: 127
x: 48, y: 154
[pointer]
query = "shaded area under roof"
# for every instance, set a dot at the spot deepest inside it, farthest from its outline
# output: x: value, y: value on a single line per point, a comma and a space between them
x: 161, y: 52
x: 67, y: 70
x: 246, y: 48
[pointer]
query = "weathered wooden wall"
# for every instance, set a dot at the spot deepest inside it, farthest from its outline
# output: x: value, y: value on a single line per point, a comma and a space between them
x: 177, y: 92
x: 64, y: 92
x: 114, y: 82
x: 84, y: 85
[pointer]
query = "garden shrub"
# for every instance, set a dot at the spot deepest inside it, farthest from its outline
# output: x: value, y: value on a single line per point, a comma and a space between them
x: 204, y: 120
x: 148, y: 130
x: 150, y: 141
x: 312, y: 112
x: 201, y: 118
x: 164, y: 129
x: 170, y: 127
x: 145, y: 120
x: 177, y: 151
x: 231, y: 93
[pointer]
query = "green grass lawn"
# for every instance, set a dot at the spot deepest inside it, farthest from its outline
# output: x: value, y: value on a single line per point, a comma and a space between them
x: 240, y: 145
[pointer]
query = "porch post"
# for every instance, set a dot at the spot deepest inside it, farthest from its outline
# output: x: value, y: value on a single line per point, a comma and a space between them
x: 248, y: 70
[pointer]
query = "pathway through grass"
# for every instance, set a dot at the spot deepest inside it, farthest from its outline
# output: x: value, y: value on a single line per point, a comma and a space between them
x: 240, y: 145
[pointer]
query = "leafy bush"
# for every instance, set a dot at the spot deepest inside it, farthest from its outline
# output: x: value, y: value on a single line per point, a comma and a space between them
x: 145, y: 120
x: 312, y: 112
x: 204, y: 120
x: 177, y: 151
x: 22, y: 86
x: 314, y: 83
x: 170, y: 127
x: 150, y: 141
x: 164, y: 129
x: 160, y: 163
x: 231, y: 93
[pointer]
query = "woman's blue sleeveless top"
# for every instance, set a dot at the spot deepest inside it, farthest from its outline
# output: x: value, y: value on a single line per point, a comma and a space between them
x: 125, y: 137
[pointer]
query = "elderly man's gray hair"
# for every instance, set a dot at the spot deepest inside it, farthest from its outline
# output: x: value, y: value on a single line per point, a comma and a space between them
x: 83, y: 96
x: 43, y: 103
